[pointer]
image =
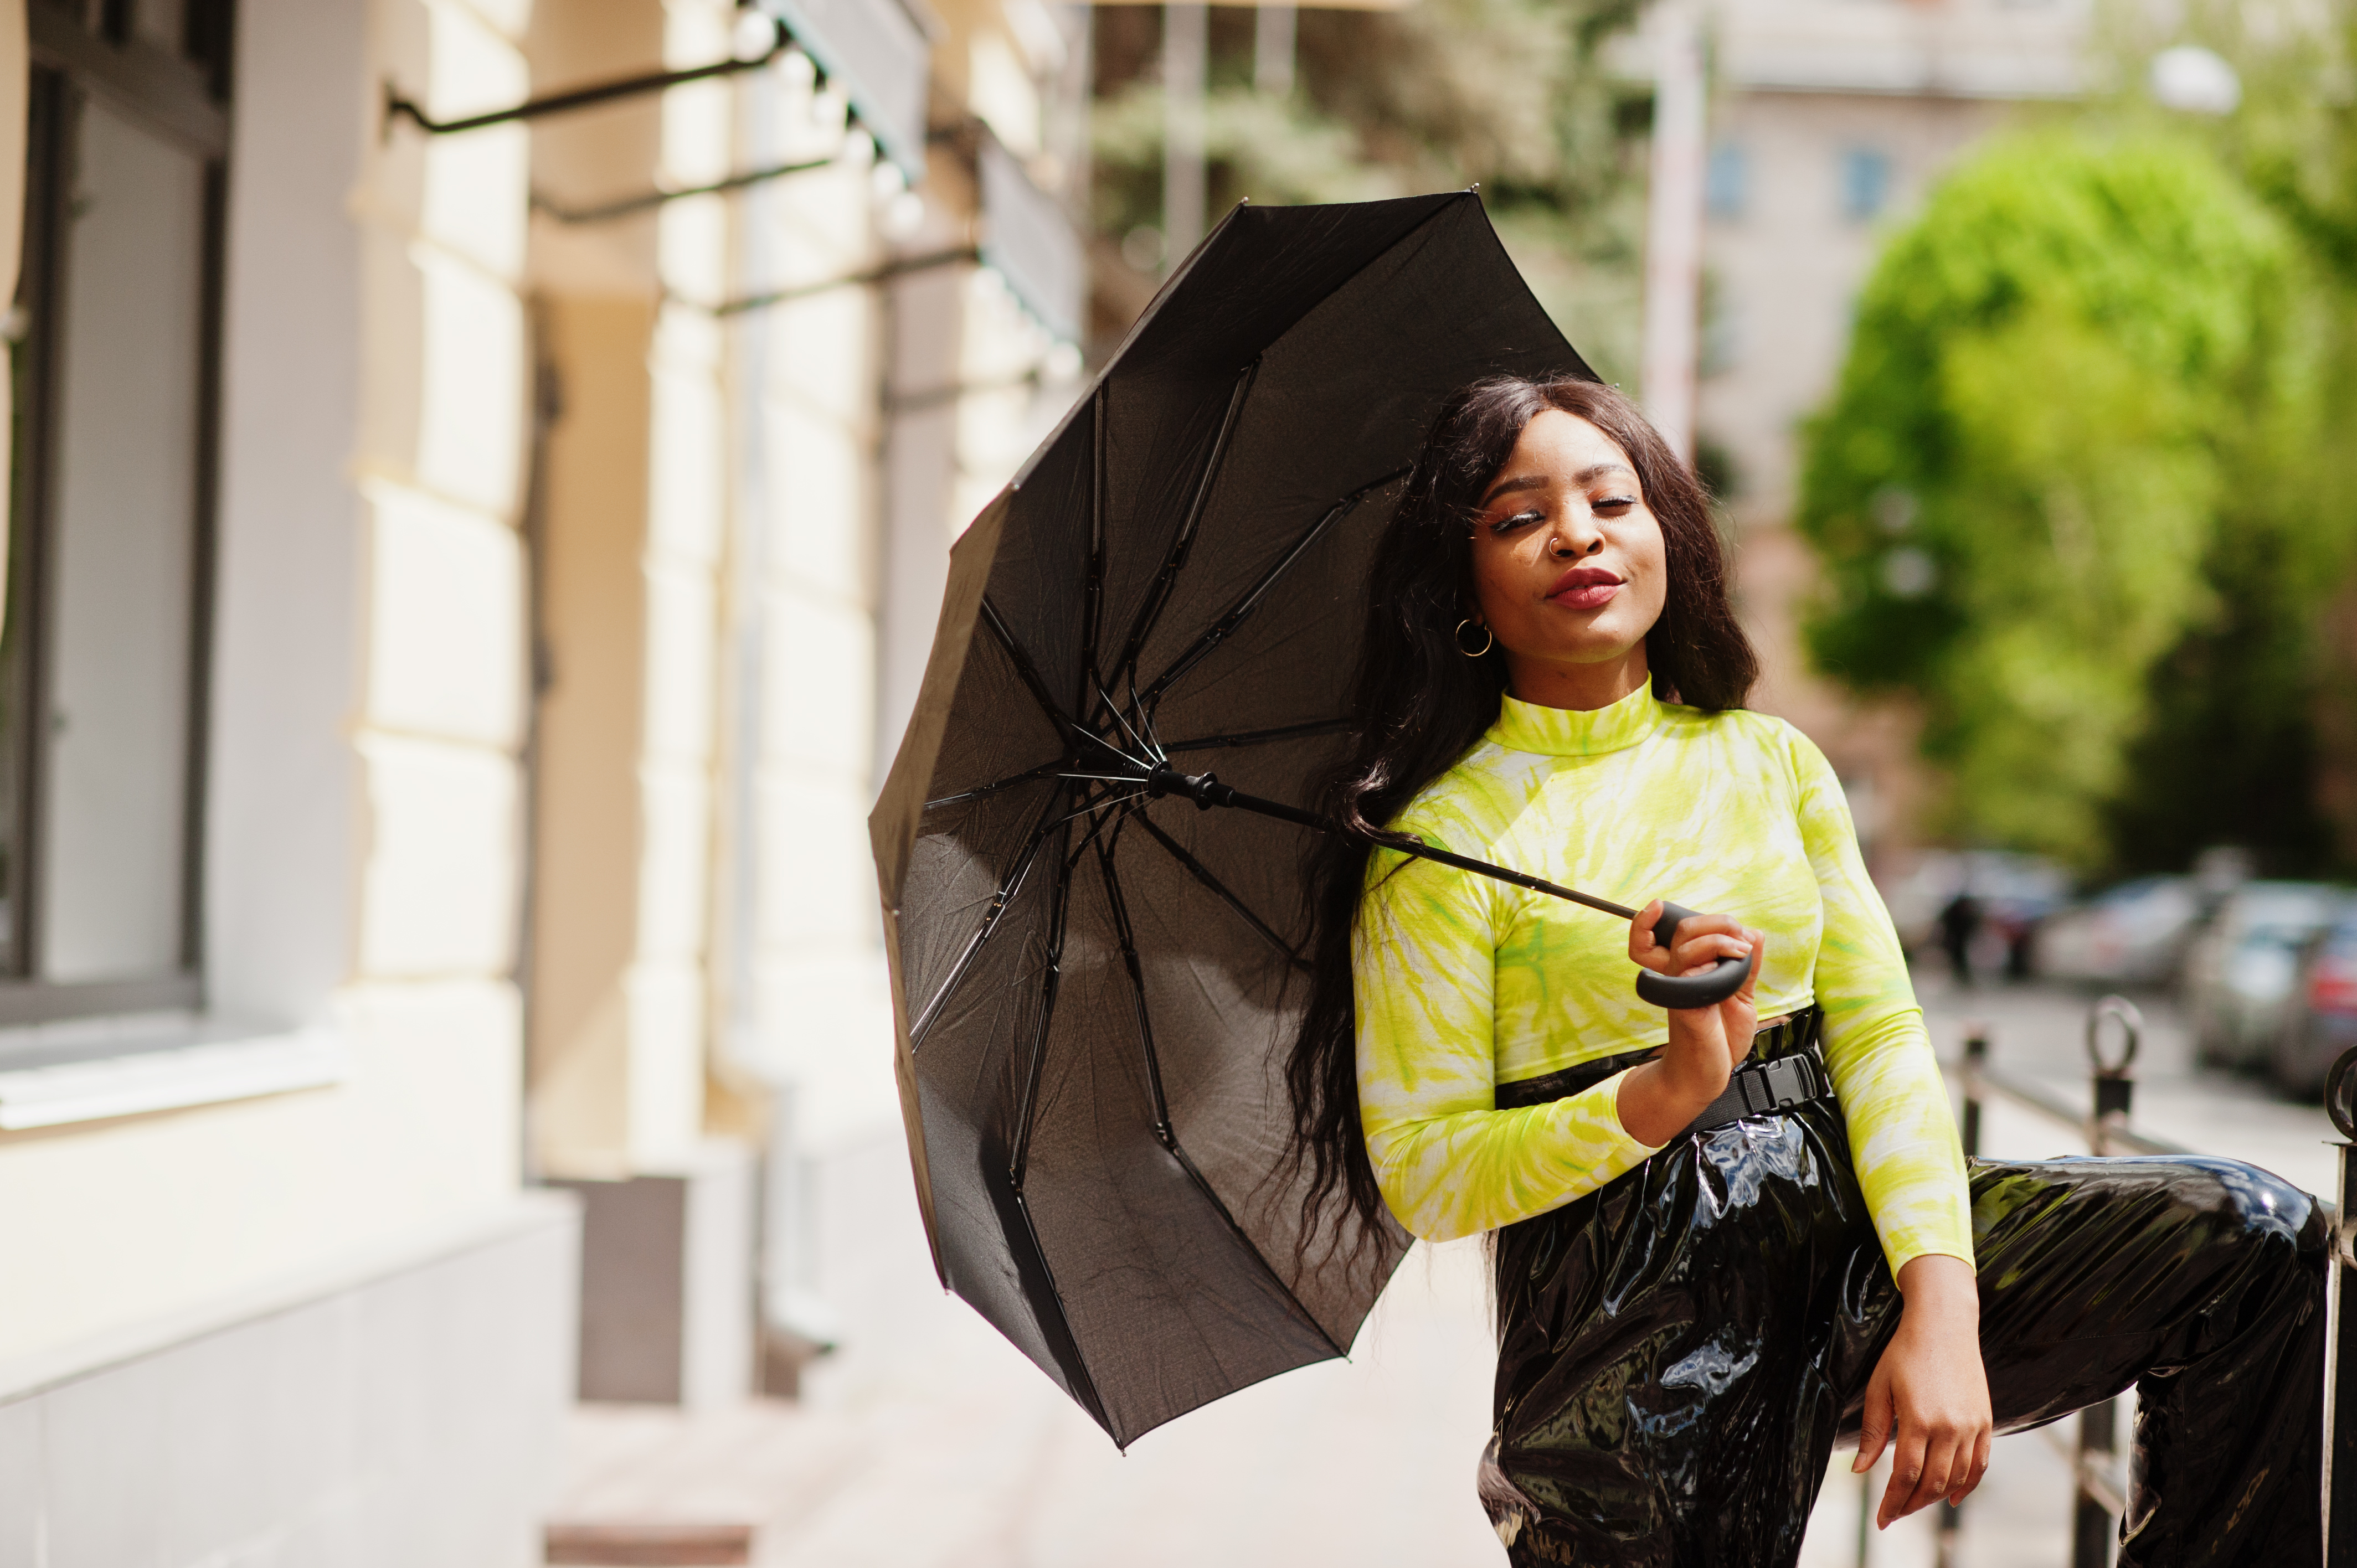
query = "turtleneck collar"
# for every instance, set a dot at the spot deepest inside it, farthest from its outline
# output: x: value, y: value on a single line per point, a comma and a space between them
x: 1573, y: 731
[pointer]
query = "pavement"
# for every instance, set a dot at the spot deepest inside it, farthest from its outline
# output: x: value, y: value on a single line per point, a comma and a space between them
x: 927, y: 1440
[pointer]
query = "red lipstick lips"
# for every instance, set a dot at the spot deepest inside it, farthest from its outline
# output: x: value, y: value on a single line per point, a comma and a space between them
x: 1585, y: 589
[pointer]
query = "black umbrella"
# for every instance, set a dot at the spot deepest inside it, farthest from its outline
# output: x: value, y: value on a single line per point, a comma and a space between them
x: 1096, y: 975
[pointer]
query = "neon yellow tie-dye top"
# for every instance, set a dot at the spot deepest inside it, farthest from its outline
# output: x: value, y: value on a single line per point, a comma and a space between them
x: 1463, y: 983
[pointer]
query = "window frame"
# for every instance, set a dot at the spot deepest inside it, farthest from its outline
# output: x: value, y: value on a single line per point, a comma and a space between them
x: 80, y: 53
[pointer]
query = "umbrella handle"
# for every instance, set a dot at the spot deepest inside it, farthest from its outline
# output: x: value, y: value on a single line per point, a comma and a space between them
x: 1705, y: 989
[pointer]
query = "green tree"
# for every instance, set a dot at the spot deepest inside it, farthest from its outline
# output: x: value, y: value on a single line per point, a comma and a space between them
x: 1514, y: 95
x: 2257, y: 711
x: 2066, y: 434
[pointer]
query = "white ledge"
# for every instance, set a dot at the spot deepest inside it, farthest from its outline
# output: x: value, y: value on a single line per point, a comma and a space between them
x: 516, y: 1214
x: 208, y: 1064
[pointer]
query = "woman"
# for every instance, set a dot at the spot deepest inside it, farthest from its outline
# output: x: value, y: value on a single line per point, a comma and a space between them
x: 1696, y: 1300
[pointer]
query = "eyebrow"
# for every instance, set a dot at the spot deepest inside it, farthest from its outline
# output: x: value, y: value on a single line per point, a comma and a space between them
x: 1539, y: 481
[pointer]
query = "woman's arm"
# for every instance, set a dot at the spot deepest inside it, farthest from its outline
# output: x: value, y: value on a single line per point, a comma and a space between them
x: 1423, y: 982
x: 1903, y: 1132
x: 1928, y: 1400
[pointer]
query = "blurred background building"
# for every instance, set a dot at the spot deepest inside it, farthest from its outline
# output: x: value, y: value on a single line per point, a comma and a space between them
x: 1828, y: 124
x: 482, y: 475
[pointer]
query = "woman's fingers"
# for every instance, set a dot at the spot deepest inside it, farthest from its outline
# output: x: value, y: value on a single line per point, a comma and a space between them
x: 1874, y: 1422
x: 1906, y: 1461
x: 1642, y: 949
x: 1934, y: 1462
x: 1757, y: 940
x: 1700, y: 941
x: 1980, y: 1468
x: 1693, y: 953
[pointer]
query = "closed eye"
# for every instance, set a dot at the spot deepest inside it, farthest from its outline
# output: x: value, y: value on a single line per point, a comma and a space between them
x: 1615, y: 505
x: 1519, y: 520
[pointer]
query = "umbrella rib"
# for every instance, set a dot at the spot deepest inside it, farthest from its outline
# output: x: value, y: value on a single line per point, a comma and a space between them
x: 1094, y: 809
x: 1023, y: 665
x: 1000, y: 902
x: 1163, y: 1132
x: 1060, y: 904
x: 1126, y: 937
x: 1251, y: 1248
x: 1044, y: 770
x: 1220, y: 630
x: 1203, y: 874
x: 1172, y: 563
x: 1019, y: 1161
x: 1261, y: 736
x: 1091, y: 1400
x: 1137, y: 739
x: 1038, y: 687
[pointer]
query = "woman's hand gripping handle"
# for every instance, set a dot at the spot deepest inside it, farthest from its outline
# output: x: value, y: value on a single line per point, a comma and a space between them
x: 1659, y: 1097
x: 1701, y: 988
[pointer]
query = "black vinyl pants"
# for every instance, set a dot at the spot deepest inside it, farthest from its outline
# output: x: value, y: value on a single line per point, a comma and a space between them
x: 1681, y: 1351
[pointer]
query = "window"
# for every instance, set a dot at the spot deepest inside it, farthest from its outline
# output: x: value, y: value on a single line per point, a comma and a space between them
x: 1865, y: 183
x: 103, y: 619
x: 1722, y: 329
x: 1727, y: 180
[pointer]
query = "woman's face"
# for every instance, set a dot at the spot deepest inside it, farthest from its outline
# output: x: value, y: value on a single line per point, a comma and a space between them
x: 1569, y: 571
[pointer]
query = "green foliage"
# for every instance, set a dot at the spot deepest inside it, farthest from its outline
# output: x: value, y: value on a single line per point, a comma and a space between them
x: 1276, y: 151
x: 1513, y: 95
x: 2070, y: 418
x: 2256, y: 711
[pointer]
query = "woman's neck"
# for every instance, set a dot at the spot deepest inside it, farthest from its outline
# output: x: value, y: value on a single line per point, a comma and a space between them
x: 1585, y: 687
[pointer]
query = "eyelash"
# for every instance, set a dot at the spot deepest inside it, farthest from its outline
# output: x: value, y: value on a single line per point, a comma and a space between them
x: 1617, y: 505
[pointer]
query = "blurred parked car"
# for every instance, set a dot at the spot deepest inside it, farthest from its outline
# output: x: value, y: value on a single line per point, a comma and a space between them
x: 2133, y: 934
x: 2321, y: 1021
x: 2241, y: 970
x: 2013, y: 893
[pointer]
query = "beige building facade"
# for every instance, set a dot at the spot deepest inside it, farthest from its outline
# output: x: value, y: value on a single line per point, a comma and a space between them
x: 461, y: 580
x: 1829, y: 121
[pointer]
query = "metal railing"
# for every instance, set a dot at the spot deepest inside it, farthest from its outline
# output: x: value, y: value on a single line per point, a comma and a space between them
x: 2099, y: 1502
x: 2112, y: 1091
x: 2339, y: 1489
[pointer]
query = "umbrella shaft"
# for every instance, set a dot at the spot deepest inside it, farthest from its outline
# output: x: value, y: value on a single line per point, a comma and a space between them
x: 1206, y: 790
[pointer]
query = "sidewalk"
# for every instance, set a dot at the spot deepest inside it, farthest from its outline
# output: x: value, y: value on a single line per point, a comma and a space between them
x: 928, y: 1442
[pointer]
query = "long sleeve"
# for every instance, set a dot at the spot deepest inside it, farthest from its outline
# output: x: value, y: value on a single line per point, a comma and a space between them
x: 1424, y: 958
x: 1902, y: 1134
x: 1462, y: 983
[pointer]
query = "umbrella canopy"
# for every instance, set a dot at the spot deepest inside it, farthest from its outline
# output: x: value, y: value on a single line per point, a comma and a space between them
x: 1096, y: 982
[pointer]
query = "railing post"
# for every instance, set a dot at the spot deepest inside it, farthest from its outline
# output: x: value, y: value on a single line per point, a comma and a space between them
x: 2114, y: 1087
x: 1976, y: 1047
x: 2339, y: 1501
x: 2093, y: 1526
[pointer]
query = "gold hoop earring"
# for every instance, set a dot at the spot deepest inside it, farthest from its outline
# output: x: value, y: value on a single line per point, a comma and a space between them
x: 1489, y: 638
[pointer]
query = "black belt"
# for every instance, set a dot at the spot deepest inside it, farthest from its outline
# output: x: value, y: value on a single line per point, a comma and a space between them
x: 1786, y: 1067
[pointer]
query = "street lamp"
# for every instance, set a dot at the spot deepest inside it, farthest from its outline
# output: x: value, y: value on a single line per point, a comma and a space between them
x: 2194, y: 80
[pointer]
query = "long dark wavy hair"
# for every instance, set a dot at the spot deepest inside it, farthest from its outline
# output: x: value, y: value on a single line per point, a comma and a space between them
x: 1419, y: 703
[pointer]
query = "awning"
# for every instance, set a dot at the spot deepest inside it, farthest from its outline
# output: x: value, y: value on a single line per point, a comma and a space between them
x: 874, y: 52
x: 1029, y: 240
